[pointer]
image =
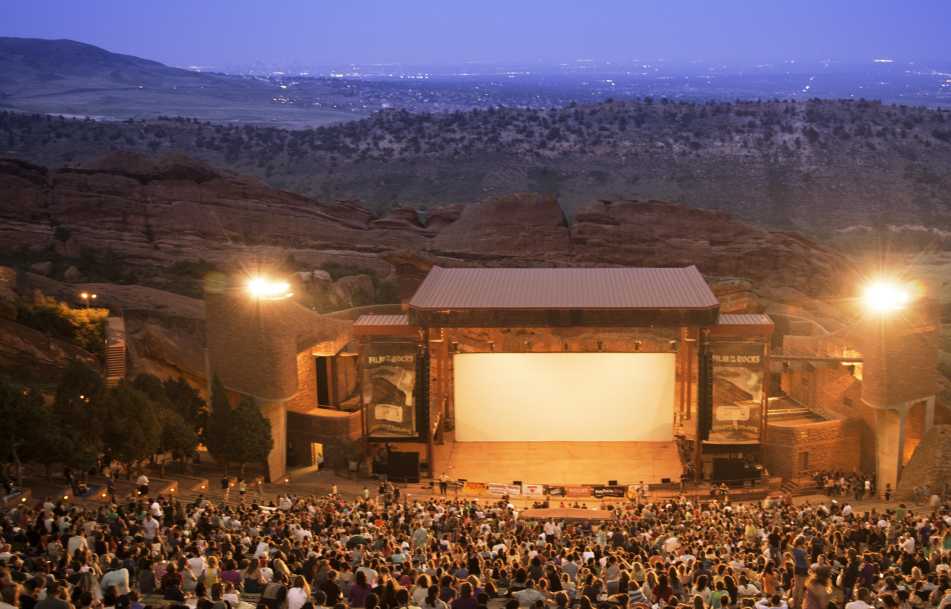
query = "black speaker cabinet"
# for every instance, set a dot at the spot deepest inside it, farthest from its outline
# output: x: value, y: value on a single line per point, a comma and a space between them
x: 612, y: 482
x: 729, y: 470
x: 403, y: 467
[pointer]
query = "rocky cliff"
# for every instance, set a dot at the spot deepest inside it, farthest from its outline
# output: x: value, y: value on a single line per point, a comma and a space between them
x: 167, y: 221
x: 145, y: 233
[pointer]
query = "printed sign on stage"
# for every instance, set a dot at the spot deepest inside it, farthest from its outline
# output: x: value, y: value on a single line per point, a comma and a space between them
x: 608, y: 491
x: 504, y: 489
x: 579, y: 491
x: 533, y: 490
x: 389, y: 389
x: 556, y: 491
x: 475, y: 488
x: 737, y: 392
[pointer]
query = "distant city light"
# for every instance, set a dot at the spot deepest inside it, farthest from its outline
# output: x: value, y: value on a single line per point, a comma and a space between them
x: 265, y: 288
x: 885, y: 296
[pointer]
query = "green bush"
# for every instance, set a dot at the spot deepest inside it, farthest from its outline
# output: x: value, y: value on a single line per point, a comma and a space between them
x: 83, y: 327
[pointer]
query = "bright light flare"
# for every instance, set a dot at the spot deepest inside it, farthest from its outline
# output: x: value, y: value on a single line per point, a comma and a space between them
x: 884, y: 296
x: 265, y: 288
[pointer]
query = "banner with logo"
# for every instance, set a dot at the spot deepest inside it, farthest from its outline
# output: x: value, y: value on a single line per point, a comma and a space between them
x: 601, y: 492
x: 504, y: 489
x: 475, y: 488
x: 533, y: 490
x: 738, y: 380
x: 556, y: 491
x: 389, y: 389
x: 579, y: 491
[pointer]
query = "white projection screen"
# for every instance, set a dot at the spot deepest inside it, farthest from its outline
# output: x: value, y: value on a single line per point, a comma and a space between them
x: 564, y: 397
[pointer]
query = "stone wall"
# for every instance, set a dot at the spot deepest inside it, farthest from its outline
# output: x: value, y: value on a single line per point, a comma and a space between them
x: 829, y: 445
x: 900, y: 356
x: 930, y: 465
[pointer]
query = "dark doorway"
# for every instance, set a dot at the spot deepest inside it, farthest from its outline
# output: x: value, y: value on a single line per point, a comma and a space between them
x: 323, y: 381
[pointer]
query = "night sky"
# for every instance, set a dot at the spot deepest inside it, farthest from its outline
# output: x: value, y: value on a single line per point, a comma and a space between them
x: 321, y: 32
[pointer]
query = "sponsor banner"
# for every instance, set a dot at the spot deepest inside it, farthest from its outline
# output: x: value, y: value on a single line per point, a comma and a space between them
x: 533, y: 490
x: 609, y: 491
x: 389, y: 389
x: 504, y: 489
x: 578, y: 491
x: 737, y: 392
x: 475, y: 488
x: 556, y: 491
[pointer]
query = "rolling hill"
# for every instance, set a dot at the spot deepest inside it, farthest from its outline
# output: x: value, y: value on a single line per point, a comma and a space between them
x: 73, y: 78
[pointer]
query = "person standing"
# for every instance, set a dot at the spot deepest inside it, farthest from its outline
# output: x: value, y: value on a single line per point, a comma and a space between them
x: 143, y: 483
x: 443, y: 484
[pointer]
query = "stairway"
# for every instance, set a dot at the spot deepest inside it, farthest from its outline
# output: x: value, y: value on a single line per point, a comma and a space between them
x: 115, y: 351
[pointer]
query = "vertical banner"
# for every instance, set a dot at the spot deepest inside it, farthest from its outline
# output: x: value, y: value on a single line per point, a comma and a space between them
x: 389, y: 389
x: 737, y: 378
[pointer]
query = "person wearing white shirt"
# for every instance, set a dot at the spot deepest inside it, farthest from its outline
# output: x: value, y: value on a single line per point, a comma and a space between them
x: 76, y: 542
x: 860, y: 602
x: 528, y: 596
x: 118, y: 577
x: 196, y: 566
x: 262, y: 549
x: 150, y: 527
x: 775, y: 602
x: 298, y: 594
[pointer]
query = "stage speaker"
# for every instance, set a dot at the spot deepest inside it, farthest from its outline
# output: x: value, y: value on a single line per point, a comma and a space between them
x: 403, y: 467
x: 729, y: 470
x: 516, y: 483
x: 612, y: 482
x: 665, y: 480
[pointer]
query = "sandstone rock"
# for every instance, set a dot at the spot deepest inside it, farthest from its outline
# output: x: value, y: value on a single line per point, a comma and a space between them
x: 42, y: 268
x: 72, y: 274
x: 521, y: 224
x: 154, y: 213
x: 930, y: 465
x: 320, y: 275
x: 353, y: 291
x: 34, y: 356
x: 8, y: 296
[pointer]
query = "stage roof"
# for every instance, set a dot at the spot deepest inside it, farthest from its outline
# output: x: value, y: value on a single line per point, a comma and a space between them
x: 539, y: 297
x: 564, y: 288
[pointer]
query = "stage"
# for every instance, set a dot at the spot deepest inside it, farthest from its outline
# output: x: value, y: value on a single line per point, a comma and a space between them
x: 560, y: 463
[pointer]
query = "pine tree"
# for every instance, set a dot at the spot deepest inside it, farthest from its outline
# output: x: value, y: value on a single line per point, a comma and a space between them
x: 219, y: 427
x: 253, y: 439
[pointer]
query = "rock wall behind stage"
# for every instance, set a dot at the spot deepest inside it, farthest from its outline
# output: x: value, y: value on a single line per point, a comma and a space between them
x: 930, y: 465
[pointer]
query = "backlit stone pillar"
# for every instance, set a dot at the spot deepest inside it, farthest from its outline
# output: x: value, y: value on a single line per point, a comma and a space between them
x: 276, y: 414
x: 889, y: 444
x: 900, y: 365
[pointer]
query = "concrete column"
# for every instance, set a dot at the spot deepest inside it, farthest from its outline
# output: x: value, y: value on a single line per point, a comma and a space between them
x: 277, y: 458
x: 889, y: 447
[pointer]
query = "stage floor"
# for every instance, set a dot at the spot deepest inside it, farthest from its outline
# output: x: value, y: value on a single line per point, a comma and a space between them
x: 560, y: 462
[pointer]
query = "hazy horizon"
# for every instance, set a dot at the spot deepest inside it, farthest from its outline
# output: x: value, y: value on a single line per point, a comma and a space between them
x: 733, y: 34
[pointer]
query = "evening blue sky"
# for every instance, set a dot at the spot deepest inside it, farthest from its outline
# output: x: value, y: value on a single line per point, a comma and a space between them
x: 321, y: 32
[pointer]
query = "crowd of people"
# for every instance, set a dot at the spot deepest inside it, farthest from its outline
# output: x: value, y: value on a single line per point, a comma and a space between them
x: 384, y: 553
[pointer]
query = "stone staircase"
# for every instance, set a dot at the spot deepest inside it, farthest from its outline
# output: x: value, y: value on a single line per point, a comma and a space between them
x: 115, y: 350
